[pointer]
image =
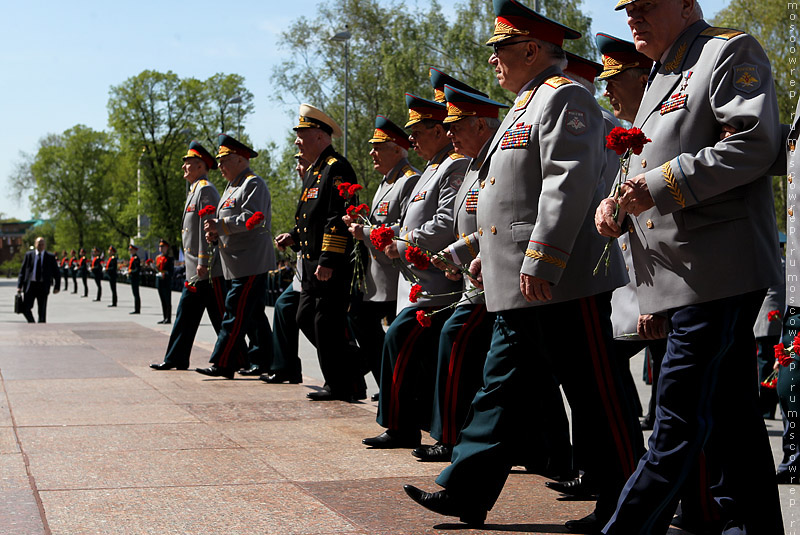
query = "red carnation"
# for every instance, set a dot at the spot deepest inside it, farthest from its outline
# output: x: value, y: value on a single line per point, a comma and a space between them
x: 796, y: 345
x: 637, y: 140
x: 416, y: 290
x: 208, y: 210
x: 774, y: 315
x: 353, y: 189
x: 190, y: 287
x: 423, y: 318
x: 344, y: 189
x: 621, y: 140
x: 418, y: 258
x: 771, y: 383
x: 254, y: 220
x: 782, y: 356
x: 381, y: 237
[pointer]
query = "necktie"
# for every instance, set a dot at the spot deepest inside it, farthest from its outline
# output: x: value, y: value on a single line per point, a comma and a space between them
x: 653, y: 73
x: 38, y: 267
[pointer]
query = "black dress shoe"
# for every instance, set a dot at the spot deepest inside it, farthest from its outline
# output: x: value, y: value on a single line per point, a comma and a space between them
x: 213, y: 371
x: 444, y: 504
x: 167, y: 366
x: 573, y: 487
x: 252, y: 370
x: 327, y: 395
x: 588, y: 524
x: 134, y: 312
x: 438, y: 453
x: 95, y: 300
x: 375, y: 397
x: 282, y: 377
x: 393, y: 439
x: 696, y: 527
x: 112, y: 306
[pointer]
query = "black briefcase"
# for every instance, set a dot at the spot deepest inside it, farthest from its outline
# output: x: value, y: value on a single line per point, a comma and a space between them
x: 17, y: 303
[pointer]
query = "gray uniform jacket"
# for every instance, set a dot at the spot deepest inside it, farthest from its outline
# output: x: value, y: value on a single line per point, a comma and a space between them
x: 428, y: 221
x: 387, y: 207
x: 245, y: 252
x: 196, y: 251
x: 712, y: 231
x: 536, y: 208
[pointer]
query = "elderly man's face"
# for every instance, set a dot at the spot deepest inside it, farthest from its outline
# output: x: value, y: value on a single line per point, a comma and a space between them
x: 231, y: 165
x: 427, y: 141
x: 384, y: 156
x: 465, y: 137
x: 508, y: 60
x: 624, y: 92
x: 655, y: 24
x: 193, y: 168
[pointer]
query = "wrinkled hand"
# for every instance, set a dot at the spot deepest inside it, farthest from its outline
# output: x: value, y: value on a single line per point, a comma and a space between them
x: 534, y: 288
x: 283, y: 241
x: 202, y: 271
x: 210, y: 226
x: 604, y: 220
x: 391, y: 250
x: 437, y: 261
x: 348, y: 220
x: 323, y: 273
x: 356, y: 230
x: 476, y: 275
x: 651, y: 327
x: 635, y: 197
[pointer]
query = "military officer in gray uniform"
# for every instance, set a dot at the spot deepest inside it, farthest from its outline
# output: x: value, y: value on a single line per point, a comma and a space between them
x: 390, y: 157
x: 538, y: 251
x: 241, y: 227
x: 697, y: 203
x: 409, y: 351
x: 205, y: 287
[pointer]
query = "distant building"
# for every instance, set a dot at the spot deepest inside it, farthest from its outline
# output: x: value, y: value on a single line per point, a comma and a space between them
x: 11, y: 234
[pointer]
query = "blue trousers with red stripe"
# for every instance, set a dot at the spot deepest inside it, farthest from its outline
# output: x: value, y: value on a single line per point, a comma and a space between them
x: 707, y: 399
x: 209, y: 298
x: 244, y: 300
x: 408, y: 371
x: 572, y: 340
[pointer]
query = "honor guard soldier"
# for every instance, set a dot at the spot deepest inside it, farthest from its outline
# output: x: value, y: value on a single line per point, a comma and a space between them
x: 165, y: 268
x: 697, y: 202
x: 63, y: 267
x: 134, y: 277
x: 409, y: 351
x: 325, y: 246
x: 73, y: 270
x: 286, y: 365
x: 538, y: 251
x: 390, y: 158
x: 111, y: 273
x: 205, y: 287
x: 97, y: 271
x: 83, y: 269
x: 241, y: 227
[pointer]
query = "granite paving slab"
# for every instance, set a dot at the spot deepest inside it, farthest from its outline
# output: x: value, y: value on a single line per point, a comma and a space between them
x: 272, y: 410
x: 8, y: 441
x: 43, y: 413
x: 56, y: 362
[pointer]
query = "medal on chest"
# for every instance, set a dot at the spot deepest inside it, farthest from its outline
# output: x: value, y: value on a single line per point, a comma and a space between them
x: 679, y: 99
x: 383, y: 208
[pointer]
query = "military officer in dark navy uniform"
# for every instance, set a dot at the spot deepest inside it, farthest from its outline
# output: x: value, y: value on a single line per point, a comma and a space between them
x: 134, y: 275
x: 390, y: 157
x: 97, y: 271
x: 205, y: 288
x: 241, y: 227
x: 111, y: 273
x: 83, y: 269
x: 165, y: 267
x: 325, y: 246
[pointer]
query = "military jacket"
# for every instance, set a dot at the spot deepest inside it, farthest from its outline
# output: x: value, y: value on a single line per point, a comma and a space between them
x: 319, y: 231
x: 713, y: 208
x: 196, y: 251
x: 97, y: 265
x: 245, y: 252
x: 428, y: 222
x: 134, y: 268
x: 541, y: 187
x: 111, y: 267
x: 388, y: 205
x: 82, y: 265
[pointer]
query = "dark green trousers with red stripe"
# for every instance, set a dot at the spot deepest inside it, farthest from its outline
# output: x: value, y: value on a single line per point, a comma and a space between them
x: 573, y: 341
x: 408, y: 371
x: 245, y: 296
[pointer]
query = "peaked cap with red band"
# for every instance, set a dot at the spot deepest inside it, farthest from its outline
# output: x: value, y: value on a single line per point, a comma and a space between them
x: 440, y: 79
x: 462, y: 104
x: 420, y: 109
x: 386, y: 130
x: 196, y: 150
x: 228, y: 145
x: 619, y: 55
x: 585, y: 68
x: 515, y: 19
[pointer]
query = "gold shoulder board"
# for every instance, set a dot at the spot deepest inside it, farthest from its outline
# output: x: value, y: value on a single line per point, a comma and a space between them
x: 202, y: 183
x: 557, y: 81
x: 331, y: 160
x: 408, y: 171
x: 455, y: 156
x: 721, y: 33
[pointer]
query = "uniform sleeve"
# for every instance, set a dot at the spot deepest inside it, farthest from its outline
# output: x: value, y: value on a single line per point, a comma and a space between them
x: 336, y: 240
x: 466, y: 249
x: 254, y: 198
x: 572, y: 154
x: 208, y: 197
x: 742, y: 95
x: 21, y: 278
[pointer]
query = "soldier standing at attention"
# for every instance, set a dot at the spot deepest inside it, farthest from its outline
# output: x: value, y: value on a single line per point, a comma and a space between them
x: 701, y: 200
x: 134, y: 275
x: 538, y: 250
x: 390, y: 158
x: 111, y: 271
x: 83, y: 267
x: 408, y: 371
x: 241, y: 226
x: 97, y: 271
x: 205, y: 286
x: 325, y: 247
x: 165, y: 267
x: 73, y: 270
x: 63, y: 266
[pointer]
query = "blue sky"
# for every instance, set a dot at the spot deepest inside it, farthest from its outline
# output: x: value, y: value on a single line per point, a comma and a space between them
x: 59, y: 60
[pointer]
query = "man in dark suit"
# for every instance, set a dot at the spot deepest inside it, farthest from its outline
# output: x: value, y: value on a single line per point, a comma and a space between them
x: 39, y: 271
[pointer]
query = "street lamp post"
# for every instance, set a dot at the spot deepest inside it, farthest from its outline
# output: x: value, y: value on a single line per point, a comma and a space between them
x: 344, y: 37
x: 238, y: 101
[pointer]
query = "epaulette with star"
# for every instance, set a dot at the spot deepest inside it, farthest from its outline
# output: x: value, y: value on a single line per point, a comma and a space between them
x: 721, y: 33
x: 455, y: 156
x: 330, y: 160
x: 408, y: 171
x: 557, y: 81
x: 202, y: 183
